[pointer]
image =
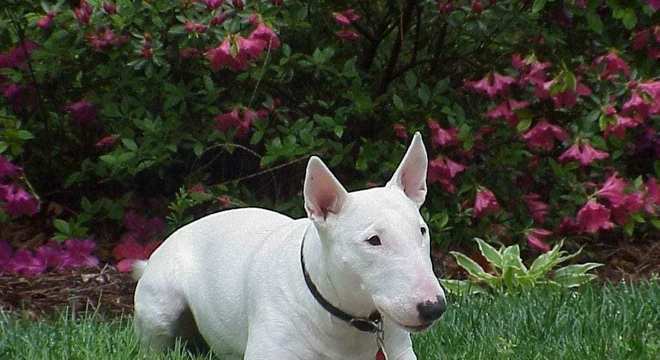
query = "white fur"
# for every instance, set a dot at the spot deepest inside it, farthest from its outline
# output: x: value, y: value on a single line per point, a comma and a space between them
x: 238, y: 273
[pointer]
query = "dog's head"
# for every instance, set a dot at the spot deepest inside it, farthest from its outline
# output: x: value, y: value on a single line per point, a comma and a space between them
x: 379, y: 238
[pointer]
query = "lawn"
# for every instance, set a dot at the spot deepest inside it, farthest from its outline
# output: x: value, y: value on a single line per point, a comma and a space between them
x: 611, y: 322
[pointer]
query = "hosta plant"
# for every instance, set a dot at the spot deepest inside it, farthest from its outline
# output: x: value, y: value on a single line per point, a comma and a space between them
x: 507, y: 272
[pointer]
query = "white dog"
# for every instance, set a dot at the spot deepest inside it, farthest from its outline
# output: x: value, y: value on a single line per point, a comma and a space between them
x: 351, y: 281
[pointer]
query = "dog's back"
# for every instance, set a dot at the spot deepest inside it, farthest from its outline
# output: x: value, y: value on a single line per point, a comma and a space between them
x: 216, y: 250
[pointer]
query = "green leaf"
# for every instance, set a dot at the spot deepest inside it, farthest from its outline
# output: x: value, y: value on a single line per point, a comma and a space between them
x: 546, y: 261
x: 411, y: 80
x: 629, y: 19
x: 24, y: 135
x: 398, y: 103
x: 62, y: 226
x: 129, y: 144
x: 198, y: 149
x: 577, y: 269
x: 538, y: 5
x: 523, y: 125
x: 594, y: 22
x: 490, y: 253
x: 424, y: 94
x: 474, y: 269
x: 575, y: 280
x: 462, y: 287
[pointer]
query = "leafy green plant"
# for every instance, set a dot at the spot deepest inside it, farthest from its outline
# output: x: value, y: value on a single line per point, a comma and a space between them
x: 508, y: 272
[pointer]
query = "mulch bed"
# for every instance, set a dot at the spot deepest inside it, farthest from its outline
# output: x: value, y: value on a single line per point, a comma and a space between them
x: 104, y: 290
x: 107, y: 291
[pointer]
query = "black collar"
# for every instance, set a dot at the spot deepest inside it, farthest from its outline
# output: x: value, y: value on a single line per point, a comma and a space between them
x: 370, y: 324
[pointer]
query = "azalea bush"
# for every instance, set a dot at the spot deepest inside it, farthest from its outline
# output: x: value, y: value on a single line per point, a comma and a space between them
x: 123, y: 120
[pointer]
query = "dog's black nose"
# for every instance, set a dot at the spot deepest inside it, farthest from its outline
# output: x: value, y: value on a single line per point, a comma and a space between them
x: 431, y: 310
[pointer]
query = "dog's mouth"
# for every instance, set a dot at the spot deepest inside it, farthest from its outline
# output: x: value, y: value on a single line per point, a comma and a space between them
x: 411, y: 328
x: 417, y: 328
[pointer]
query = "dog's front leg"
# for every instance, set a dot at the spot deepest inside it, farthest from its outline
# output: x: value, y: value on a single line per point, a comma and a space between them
x: 268, y: 344
x: 407, y: 354
x: 398, y: 343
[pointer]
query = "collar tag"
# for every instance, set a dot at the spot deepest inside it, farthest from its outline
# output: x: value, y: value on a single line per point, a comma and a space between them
x: 380, y: 342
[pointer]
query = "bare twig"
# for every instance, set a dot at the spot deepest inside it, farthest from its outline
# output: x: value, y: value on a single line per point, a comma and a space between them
x: 266, y: 171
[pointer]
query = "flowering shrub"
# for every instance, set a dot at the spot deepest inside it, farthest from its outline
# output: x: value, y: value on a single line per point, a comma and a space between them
x: 541, y: 116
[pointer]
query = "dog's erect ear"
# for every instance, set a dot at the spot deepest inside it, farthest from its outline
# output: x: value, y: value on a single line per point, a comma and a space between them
x: 323, y: 192
x: 411, y: 174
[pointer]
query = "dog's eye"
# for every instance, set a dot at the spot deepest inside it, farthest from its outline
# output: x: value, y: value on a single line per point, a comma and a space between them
x: 423, y: 230
x: 374, y: 240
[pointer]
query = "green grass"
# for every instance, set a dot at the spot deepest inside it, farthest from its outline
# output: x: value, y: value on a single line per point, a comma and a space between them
x: 621, y: 322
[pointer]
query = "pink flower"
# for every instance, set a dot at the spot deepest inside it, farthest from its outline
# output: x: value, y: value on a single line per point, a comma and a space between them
x: 212, y: 4
x: 140, y: 227
x: 189, y: 53
x: 17, y: 56
x: 594, y: 217
x: 51, y: 254
x: 7, y: 169
x: 105, y: 39
x: 18, y: 201
x: 534, y: 73
x: 630, y: 204
x: 654, y: 4
x: 613, y: 189
x: 107, y: 141
x: 584, y: 153
x: 46, y: 21
x: 492, y: 84
x: 83, y: 12
x: 641, y: 39
x: 267, y: 35
x: 346, y: 17
x: 399, y: 130
x: 25, y: 263
x: 219, y: 18
x: 536, y: 207
x: 568, y: 225
x: 348, y: 35
x: 21, y: 97
x: 652, y: 89
x: 613, y: 64
x: 485, y: 203
x: 536, y: 239
x: 82, y: 112
x: 193, y: 27
x: 565, y: 99
x: 110, y: 8
x: 443, y: 170
x: 129, y: 251
x: 223, y: 56
x: 440, y: 136
x: 238, y: 4
x: 506, y: 110
x: 249, y: 49
x: 618, y: 128
x: 78, y: 253
x: 636, y: 105
x: 234, y: 120
x: 652, y: 198
x: 543, y: 135
x: 224, y: 201
x: 477, y: 7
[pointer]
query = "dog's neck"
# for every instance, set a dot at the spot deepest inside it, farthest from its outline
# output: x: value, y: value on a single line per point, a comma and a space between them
x: 337, y: 285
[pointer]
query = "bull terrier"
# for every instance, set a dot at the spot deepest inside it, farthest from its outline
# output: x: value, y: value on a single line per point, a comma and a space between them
x: 350, y: 281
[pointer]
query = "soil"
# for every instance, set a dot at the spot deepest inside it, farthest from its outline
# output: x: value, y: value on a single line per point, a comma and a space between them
x: 110, y: 292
